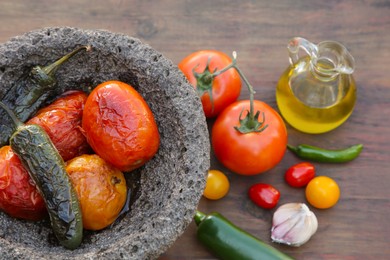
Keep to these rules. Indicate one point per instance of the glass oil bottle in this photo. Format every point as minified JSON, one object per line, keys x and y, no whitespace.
{"x":317,"y":93}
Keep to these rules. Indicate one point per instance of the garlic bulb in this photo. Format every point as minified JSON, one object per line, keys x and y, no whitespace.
{"x":293,"y":224}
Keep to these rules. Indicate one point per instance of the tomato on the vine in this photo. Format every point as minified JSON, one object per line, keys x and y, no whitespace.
{"x":322,"y":192}
{"x":217,"y":91}
{"x":264,"y":195}
{"x":251,"y":150}
{"x":300,"y":174}
{"x":217,"y":185}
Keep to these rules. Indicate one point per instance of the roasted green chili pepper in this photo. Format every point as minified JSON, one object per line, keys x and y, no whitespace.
{"x":227,"y":241}
{"x":47,"y":169}
{"x":29,"y":93}
{"x":317,"y":154}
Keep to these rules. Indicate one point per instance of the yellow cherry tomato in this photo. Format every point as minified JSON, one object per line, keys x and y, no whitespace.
{"x":322,"y":192}
{"x":217,"y":185}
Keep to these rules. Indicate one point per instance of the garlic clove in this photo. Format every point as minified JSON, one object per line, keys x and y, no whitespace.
{"x":293,"y":224}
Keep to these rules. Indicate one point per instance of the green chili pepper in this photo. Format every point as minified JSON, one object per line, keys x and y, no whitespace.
{"x":29,"y":93}
{"x":317,"y":154}
{"x":47,"y":169}
{"x":228,"y":241}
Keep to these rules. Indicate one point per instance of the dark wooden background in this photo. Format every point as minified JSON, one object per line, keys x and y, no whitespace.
{"x":358,"y":226}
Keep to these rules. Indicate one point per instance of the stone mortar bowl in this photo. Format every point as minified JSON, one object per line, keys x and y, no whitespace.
{"x":171,"y":184}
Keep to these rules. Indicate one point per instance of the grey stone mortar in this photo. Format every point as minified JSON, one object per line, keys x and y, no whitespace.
{"x":171,"y":184}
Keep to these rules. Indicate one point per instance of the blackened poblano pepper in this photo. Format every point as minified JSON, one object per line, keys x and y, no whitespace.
{"x":229,"y":242}
{"x":29,"y":93}
{"x":47,"y":169}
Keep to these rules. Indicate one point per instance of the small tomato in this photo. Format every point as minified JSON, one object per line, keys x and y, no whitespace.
{"x":216,"y":92}
{"x":322,"y":192}
{"x":299,"y":175}
{"x":217,"y":185}
{"x":264,"y":195}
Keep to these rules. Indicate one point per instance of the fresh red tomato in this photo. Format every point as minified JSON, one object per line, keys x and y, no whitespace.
{"x":249,"y":153}
{"x":299,"y":175}
{"x":120,"y":126}
{"x":224,"y":88}
{"x":61,"y":120}
{"x":18,"y":195}
{"x":264,"y":195}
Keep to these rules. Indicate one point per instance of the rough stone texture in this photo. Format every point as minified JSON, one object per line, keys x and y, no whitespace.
{"x":171,"y":183}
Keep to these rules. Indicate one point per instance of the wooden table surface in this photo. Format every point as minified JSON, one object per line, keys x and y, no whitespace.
{"x":358,"y":226}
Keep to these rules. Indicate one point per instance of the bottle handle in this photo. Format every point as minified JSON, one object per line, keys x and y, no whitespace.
{"x":298,"y":43}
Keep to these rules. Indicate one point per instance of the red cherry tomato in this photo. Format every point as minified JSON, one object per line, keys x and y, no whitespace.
{"x":250,"y":153}
{"x":264,"y":195}
{"x":299,"y":175}
{"x":61,"y":120}
{"x":120,"y":126}
{"x":18,"y":195}
{"x":225,"y":88}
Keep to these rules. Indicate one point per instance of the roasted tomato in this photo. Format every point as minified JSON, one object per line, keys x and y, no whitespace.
{"x":253,"y":152}
{"x":120,"y":126}
{"x":101,"y":190}
{"x":216,"y":91}
{"x":62,"y":122}
{"x":18,"y":195}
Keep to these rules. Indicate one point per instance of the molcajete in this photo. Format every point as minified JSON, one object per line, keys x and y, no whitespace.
{"x":169,"y":186}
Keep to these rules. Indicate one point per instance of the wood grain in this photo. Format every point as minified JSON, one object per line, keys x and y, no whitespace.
{"x":357,"y":227}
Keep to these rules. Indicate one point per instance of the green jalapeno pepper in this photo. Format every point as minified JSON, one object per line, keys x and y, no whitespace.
{"x":228,"y":241}
{"x":47,"y":169}
{"x":29,"y":93}
{"x":317,"y":154}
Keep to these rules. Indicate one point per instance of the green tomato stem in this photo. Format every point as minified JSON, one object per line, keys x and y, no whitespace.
{"x":250,"y":123}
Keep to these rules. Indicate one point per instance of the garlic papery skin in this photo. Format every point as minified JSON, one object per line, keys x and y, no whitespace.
{"x":293,"y":224}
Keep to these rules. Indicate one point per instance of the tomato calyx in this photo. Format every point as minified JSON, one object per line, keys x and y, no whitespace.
{"x":251,"y":124}
{"x":204,"y":80}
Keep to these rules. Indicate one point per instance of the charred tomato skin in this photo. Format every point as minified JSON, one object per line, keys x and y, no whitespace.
{"x":119,"y":125}
{"x":19,"y":196}
{"x":61,"y":120}
{"x":101,"y":190}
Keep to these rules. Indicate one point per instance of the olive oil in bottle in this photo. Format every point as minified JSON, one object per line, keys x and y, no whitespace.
{"x":317,"y":93}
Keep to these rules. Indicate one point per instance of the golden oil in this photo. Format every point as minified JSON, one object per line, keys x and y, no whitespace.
{"x":313,"y":103}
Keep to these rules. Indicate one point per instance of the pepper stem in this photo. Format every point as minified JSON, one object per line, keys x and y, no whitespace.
{"x":52,"y":68}
{"x":199,"y":217}
{"x":15,"y":120}
{"x":292,"y":148}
